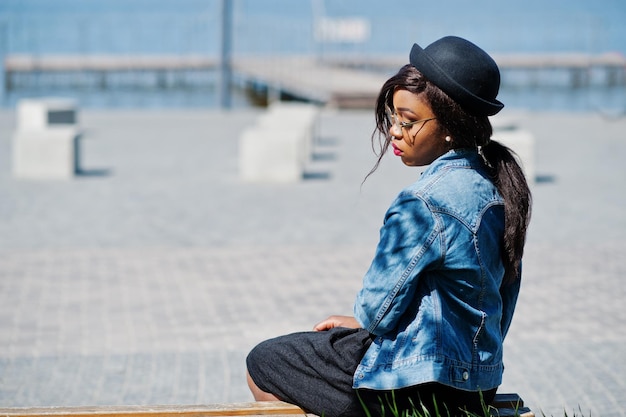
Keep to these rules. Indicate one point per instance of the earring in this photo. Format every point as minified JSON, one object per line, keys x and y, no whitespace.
{"x":448,"y":139}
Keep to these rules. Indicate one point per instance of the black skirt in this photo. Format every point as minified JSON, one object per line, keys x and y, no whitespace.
{"x":314,"y":370}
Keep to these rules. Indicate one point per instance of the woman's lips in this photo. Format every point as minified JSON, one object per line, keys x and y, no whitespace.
{"x":396,"y":151}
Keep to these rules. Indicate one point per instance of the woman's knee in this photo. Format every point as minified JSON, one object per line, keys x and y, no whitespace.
{"x":258,"y":393}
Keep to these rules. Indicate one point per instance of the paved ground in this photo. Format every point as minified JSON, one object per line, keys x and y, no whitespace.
{"x":147,"y":278}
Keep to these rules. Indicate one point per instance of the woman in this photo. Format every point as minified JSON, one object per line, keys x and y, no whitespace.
{"x":438,"y":298}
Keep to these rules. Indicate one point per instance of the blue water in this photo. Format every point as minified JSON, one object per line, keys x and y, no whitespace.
{"x":286,"y":27}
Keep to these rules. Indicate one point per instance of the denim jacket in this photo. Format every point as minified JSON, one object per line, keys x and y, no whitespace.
{"x":431,"y":297}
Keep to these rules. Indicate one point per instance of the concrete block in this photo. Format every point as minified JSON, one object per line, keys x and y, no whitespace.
{"x":45,"y":113}
{"x":505,"y":121}
{"x":522,"y":143}
{"x":304,"y":114}
{"x":279,"y":145}
{"x":45,"y":154}
{"x":271,"y":155}
{"x":296,"y":129}
{"x":293,"y":116}
{"x":45,"y":143}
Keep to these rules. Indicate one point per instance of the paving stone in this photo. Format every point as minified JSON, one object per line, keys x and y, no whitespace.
{"x":148,"y":279}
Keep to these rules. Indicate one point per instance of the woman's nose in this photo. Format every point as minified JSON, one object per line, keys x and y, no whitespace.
{"x":395,"y":130}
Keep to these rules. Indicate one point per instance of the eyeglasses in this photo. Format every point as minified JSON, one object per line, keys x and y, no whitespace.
{"x":395,"y":119}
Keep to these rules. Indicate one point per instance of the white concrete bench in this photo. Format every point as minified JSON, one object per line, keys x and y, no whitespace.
{"x":268,"y":155}
{"x":522,"y":142}
{"x":295,"y":115}
{"x":279,"y":145}
{"x":45,"y":143}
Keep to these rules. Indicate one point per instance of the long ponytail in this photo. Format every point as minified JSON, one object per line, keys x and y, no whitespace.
{"x":509,"y":179}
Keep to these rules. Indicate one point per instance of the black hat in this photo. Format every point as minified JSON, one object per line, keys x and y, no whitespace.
{"x":463,"y":71}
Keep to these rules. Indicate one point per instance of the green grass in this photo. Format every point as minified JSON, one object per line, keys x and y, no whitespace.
{"x":390,"y":409}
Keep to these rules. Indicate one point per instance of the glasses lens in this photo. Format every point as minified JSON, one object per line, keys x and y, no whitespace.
{"x":392,"y":117}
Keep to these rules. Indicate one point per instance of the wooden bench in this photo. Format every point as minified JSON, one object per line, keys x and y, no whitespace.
{"x":505,"y":405}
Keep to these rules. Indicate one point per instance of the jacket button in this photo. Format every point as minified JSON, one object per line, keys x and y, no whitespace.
{"x":465,"y":375}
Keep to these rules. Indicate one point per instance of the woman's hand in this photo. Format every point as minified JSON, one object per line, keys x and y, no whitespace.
{"x":337,"y":321}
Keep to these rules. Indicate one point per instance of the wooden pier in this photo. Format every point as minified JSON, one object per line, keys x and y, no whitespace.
{"x":314,"y":79}
{"x":104,"y":63}
{"x":345,"y":82}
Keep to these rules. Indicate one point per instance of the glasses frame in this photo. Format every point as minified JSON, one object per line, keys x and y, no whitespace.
{"x":400,"y":124}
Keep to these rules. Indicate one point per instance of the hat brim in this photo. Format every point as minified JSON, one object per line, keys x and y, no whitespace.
{"x":420,"y":59}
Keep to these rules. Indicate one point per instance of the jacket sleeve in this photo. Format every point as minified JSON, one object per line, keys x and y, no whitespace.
{"x":410,"y":243}
{"x":509,"y":294}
